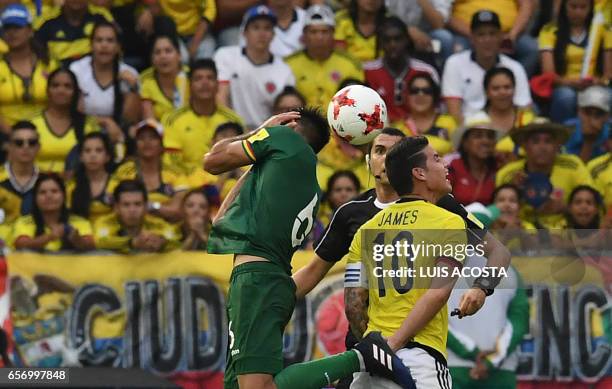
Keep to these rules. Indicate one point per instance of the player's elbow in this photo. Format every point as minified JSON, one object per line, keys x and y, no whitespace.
{"x":439,"y":296}
{"x":213,"y":164}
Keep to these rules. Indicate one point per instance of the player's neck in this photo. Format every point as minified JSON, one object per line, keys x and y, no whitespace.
{"x":385,"y":193}
{"x":258,"y":57}
{"x":423,"y":193}
{"x":203,"y":107}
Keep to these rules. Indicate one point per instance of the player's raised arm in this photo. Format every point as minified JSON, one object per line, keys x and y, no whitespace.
{"x":233,"y":153}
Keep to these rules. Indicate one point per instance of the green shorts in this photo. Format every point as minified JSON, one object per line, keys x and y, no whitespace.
{"x":260,"y":303}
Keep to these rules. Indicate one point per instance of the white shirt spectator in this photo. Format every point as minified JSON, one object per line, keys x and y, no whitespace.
{"x":463,"y":79}
{"x":97,"y":100}
{"x":253,"y":88}
{"x":411,"y":12}
{"x":287,"y":42}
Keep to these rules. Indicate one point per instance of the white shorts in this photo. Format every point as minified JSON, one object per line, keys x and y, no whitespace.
{"x":427,"y":372}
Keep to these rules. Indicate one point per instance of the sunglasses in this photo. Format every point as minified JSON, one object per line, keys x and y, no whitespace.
{"x":425,"y":91}
{"x":24,"y":142}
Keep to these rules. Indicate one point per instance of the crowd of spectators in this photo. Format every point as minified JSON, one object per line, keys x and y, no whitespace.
{"x":107,"y":108}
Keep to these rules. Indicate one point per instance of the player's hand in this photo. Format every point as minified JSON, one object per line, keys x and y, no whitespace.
{"x":286,"y":118}
{"x":394,"y":343}
{"x":471,"y":301}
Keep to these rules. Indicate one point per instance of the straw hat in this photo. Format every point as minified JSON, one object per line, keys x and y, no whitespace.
{"x":540,"y":124}
{"x":479,"y":120}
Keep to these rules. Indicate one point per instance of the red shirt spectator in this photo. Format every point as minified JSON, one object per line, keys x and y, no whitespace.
{"x":466,"y":188}
{"x":389,"y":75}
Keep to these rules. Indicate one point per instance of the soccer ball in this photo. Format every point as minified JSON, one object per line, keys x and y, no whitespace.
{"x":357,"y":114}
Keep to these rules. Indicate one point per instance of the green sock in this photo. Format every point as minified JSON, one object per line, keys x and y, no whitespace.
{"x":318,"y":373}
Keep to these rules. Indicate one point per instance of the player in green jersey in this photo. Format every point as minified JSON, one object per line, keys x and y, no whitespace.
{"x":263,"y":221}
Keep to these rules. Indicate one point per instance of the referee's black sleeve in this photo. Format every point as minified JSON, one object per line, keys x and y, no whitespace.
{"x":336,"y":241}
{"x":476,"y":233}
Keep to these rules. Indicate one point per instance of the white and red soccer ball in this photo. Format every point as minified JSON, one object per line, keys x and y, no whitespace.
{"x":357,"y":114}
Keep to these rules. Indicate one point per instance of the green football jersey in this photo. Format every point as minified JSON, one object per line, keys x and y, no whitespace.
{"x":275,"y":209}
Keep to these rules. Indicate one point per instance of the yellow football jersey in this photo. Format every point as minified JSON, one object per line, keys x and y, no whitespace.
{"x":567,"y":173}
{"x":100,"y":205}
{"x":319,"y":81}
{"x":601,"y":171}
{"x":188,"y":13}
{"x":23,"y":99}
{"x":172,"y":180}
{"x":110,"y":235}
{"x":524,"y":116}
{"x":25,"y":226}
{"x":190,"y":135}
{"x":361,"y":47}
{"x":574,"y":54}
{"x":54,"y":149}
{"x":439,"y":234}
{"x":162,"y":104}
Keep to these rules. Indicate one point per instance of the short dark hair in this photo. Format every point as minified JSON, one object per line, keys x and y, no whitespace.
{"x":315,"y":128}
{"x":494,"y":71}
{"x":404,"y":156}
{"x":235,"y":126}
{"x":289,"y":91}
{"x":23,"y":125}
{"x":394,"y":22}
{"x":391,"y":131}
{"x":331,"y":181}
{"x":204,"y":63}
{"x":127,"y":186}
{"x":351,"y":81}
{"x":513,"y":187}
{"x":421,"y":75}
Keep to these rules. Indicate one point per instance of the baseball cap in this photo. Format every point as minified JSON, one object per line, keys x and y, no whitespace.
{"x":16,"y":15}
{"x":320,"y":15}
{"x":484,"y":17}
{"x":150,"y":124}
{"x":258,"y":12}
{"x":595,"y":96}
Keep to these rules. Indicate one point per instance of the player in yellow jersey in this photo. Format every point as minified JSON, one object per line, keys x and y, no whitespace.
{"x":410,"y":308}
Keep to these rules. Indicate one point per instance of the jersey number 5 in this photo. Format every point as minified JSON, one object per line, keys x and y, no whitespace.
{"x":299,"y":233}
{"x":398,"y":285}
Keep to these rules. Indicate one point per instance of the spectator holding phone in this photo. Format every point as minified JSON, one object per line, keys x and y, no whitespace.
{"x":51,"y":227}
{"x":579,"y":32}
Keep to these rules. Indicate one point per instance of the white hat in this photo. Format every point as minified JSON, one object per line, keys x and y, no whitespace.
{"x":479,"y":120}
{"x":595,"y":96}
{"x":320,"y":15}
